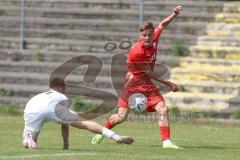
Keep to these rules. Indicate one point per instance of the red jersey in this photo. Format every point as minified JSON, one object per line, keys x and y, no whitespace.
{"x":137,"y":57}
{"x":139,"y":54}
{"x":136,"y":80}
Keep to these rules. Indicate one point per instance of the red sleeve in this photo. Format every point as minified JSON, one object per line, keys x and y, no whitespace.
{"x":157,"y":33}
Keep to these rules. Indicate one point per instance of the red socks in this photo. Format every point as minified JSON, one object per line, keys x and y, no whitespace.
{"x":108,"y":125}
{"x":165,"y":131}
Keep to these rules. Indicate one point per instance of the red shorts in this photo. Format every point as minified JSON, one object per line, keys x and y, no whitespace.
{"x":152,"y":99}
{"x":143,"y":85}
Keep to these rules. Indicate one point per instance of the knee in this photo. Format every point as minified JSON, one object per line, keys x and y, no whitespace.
{"x":117,"y":118}
{"x":78,"y":123}
{"x":162,"y":109}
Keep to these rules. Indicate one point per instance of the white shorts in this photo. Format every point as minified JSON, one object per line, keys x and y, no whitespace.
{"x":35,"y":121}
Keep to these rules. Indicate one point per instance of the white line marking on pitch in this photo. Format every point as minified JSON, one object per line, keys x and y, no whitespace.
{"x":48,"y":155}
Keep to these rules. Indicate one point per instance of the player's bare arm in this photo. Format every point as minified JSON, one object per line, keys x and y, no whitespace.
{"x":153,"y":75}
{"x":65,"y":135}
{"x":172,"y":85}
{"x":166,"y":21}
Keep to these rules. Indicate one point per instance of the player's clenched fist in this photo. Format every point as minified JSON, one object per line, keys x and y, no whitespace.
{"x":177,"y":10}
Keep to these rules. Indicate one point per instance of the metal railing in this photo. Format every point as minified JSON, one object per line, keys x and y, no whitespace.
{"x":141,"y":12}
{"x":21,"y":42}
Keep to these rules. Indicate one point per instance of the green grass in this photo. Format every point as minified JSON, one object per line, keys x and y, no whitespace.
{"x":201,"y":142}
{"x":178,"y":49}
{"x":10,"y":110}
{"x":39,"y":56}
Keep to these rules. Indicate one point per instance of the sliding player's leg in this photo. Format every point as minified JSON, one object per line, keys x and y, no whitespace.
{"x":98,"y":129}
{"x":112,"y":121}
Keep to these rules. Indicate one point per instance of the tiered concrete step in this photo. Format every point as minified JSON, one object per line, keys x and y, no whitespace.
{"x":211,"y":84}
{"x":110,"y":14}
{"x":188,"y":61}
{"x":53,"y":44}
{"x":61,"y":57}
{"x":233,"y":7}
{"x":221,"y":29}
{"x":199,"y":101}
{"x":31,"y":78}
{"x":49,"y":56}
{"x":222,"y":40}
{"x":228,"y":52}
{"x":36,"y":10}
{"x":24,"y":83}
{"x":205,"y":74}
{"x":27,"y":91}
{"x":23,"y":78}
{"x":20,"y":94}
{"x":11,"y":100}
{"x":207,"y":69}
{"x":185,"y":27}
{"x":189,"y":64}
{"x":93,"y":35}
{"x":230,"y":13}
{"x":191,"y":5}
{"x":228,"y":17}
{"x":218,"y":41}
{"x":102,"y":81}
{"x":74,"y":34}
{"x":198,"y":69}
{"x":185,"y":100}
{"x":23,"y":90}
{"x":232,"y":88}
{"x":188,"y":101}
{"x":50,"y":67}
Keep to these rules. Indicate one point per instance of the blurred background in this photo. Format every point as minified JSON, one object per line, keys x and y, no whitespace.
{"x":200,"y":48}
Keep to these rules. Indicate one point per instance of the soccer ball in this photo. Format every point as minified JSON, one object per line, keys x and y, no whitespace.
{"x":137,"y":102}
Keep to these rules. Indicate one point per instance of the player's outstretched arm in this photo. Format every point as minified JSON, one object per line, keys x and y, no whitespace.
{"x":167,"y":20}
{"x":65,"y":135}
{"x":173,"y":86}
{"x":153,"y":75}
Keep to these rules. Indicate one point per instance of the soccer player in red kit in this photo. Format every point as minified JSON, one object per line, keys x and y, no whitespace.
{"x":141,"y":61}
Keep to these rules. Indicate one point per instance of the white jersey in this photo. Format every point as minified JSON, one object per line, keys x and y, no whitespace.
{"x":47,"y":101}
{"x":48,"y":106}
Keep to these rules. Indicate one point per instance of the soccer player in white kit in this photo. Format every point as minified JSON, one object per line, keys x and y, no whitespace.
{"x":55,"y":106}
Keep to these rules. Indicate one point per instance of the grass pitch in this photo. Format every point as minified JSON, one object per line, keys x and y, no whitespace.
{"x":201,"y":142}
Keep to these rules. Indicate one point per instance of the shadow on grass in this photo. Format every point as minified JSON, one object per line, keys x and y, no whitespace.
{"x":195,"y":147}
{"x":204,"y":147}
{"x":210,"y":147}
{"x":59,"y":150}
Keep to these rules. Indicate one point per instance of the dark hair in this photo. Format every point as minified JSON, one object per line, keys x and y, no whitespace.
{"x":146,"y":25}
{"x":56,"y":82}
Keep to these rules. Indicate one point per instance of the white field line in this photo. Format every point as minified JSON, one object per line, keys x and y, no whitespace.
{"x":157,"y":157}
{"x":48,"y":155}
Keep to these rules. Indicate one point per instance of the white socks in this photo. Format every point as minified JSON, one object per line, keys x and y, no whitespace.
{"x":167,"y":142}
{"x":108,"y":133}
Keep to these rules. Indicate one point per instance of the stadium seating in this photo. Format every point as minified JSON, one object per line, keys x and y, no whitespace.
{"x":59,"y":30}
